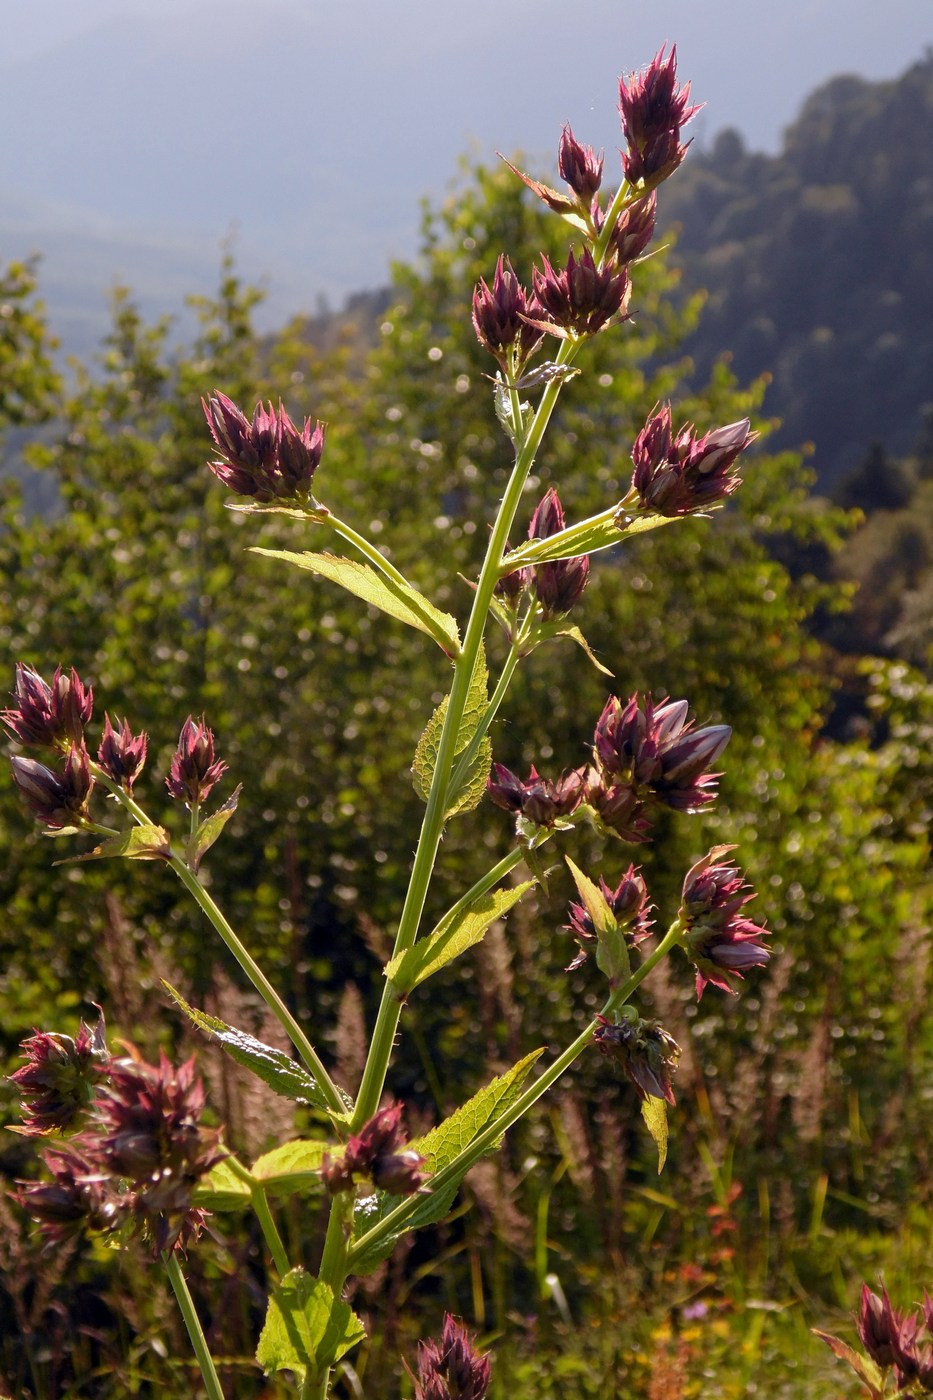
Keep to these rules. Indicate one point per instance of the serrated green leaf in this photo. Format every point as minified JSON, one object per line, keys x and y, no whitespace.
{"x":274,"y":1067}
{"x":293,"y":1166}
{"x":454,"y":934}
{"x":400,"y":601}
{"x":208,"y":831}
{"x":471,"y":784}
{"x":138,"y":843}
{"x":221,"y":1189}
{"x":439,"y":1147}
{"x":307,"y":1329}
{"x":654,"y":1112}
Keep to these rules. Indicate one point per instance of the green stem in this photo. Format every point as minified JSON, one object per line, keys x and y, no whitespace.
{"x":495,"y":700}
{"x":369,"y":551}
{"x":391,"y":1224}
{"x":193,"y":1324}
{"x":254,"y":972}
{"x":260,"y":1203}
{"x":432,"y":826}
{"x":623,"y":195}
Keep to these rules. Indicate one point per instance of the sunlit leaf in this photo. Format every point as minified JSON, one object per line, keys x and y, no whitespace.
{"x":307,"y":1329}
{"x":453,"y":936}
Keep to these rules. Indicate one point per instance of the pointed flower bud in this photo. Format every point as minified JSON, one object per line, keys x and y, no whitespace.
{"x":378,"y":1154}
{"x":499,"y":320}
{"x":629,"y":905}
{"x":634,"y":230}
{"x":656,"y":751}
{"x":582,"y":298}
{"x":677,"y":475}
{"x":720,"y":942}
{"x":618,"y":807}
{"x":878,"y":1326}
{"x":644,"y":1052}
{"x":539,"y":800}
{"x":48,"y":716}
{"x":58,"y":800}
{"x":580,"y":167}
{"x":57,"y":1082}
{"x":653,"y":109}
{"x":450,"y":1368}
{"x":194,"y":770}
{"x":121,"y":754}
{"x":558,"y":584}
{"x":268,"y":458}
{"x":78,"y":1198}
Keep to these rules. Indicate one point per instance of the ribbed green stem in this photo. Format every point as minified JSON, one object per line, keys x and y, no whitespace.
{"x":193,"y":1324}
{"x":495,"y":700}
{"x":455,"y":1169}
{"x":254,"y":972}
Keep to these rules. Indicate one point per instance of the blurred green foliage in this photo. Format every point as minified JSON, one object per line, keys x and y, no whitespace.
{"x":802,"y":1104}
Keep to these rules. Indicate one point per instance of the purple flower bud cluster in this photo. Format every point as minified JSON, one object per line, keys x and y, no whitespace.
{"x":898,"y":1342}
{"x":141,"y":1148}
{"x":501,"y":319}
{"x":122,"y":754}
{"x":48,"y":716}
{"x":59,"y":800}
{"x":629,"y":906}
{"x":558,"y":584}
{"x":451,"y":1368}
{"x":377,"y":1154}
{"x":678,"y":475}
{"x":650,"y":754}
{"x":194,"y":769}
{"x":720,"y":942}
{"x":653,"y":109}
{"x":268,"y":458}
{"x":581,"y":298}
{"x":644,"y":1052}
{"x":539,"y":800}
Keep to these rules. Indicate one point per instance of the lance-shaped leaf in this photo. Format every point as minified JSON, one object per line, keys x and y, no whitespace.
{"x":863,"y":1366}
{"x":399,"y":600}
{"x":293,"y":1166}
{"x":200,"y":842}
{"x":440,"y":1147}
{"x":221,"y":1189}
{"x":274,"y":1067}
{"x":457,"y":931}
{"x":307,"y":1329}
{"x":470,"y":787}
{"x":654,"y":1112}
{"x":138,"y":843}
{"x":559,"y":627}
{"x":587,"y":537}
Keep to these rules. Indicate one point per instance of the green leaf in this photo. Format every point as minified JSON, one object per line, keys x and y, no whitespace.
{"x":863,"y":1366}
{"x":221,"y":1189}
{"x":293,"y":1166}
{"x":654,"y":1112}
{"x":577,"y":636}
{"x":440,"y":1147}
{"x":307,"y":1329}
{"x":200,"y":842}
{"x":274,"y":1067}
{"x":471,"y":784}
{"x":587,"y":537}
{"x":455,"y":933}
{"x":139,"y":843}
{"x":612,"y":955}
{"x":399,"y":600}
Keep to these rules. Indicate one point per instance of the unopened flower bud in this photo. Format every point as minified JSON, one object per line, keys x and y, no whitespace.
{"x":58,"y":800}
{"x":49,"y":716}
{"x":559,"y":583}
{"x":450,"y":1368}
{"x":378,"y":1154}
{"x":634,"y":230}
{"x":678,"y":475}
{"x":720,"y":942}
{"x":653,"y":110}
{"x":539,"y":800}
{"x":194,"y":769}
{"x":121,"y":754}
{"x":57,"y":1082}
{"x":644,"y":1052}
{"x":268,"y":458}
{"x":500,"y":318}
{"x":579,"y":166}
{"x":582,"y":298}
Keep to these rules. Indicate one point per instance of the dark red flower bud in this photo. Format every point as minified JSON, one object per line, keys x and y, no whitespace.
{"x":58,"y":1080}
{"x":377,"y":1153}
{"x":658,"y":753}
{"x":653,"y":109}
{"x":56,"y":800}
{"x":619,"y":809}
{"x":677,"y":475}
{"x":634,"y":230}
{"x":630,"y":908}
{"x":719,"y":941}
{"x":581,"y":299}
{"x":499,"y":319}
{"x":121,"y":754}
{"x":558,"y":584}
{"x":49,"y":716}
{"x":580,"y":167}
{"x":194,"y":770}
{"x":878,"y":1326}
{"x":539,"y":800}
{"x":450,"y":1368}
{"x":268,"y":458}
{"x":78,"y":1197}
{"x":644,"y":1052}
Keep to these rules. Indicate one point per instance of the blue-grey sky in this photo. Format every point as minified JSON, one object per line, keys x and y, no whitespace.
{"x":140,"y":133}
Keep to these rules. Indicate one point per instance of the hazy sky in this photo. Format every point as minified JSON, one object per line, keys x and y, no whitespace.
{"x":312,"y":127}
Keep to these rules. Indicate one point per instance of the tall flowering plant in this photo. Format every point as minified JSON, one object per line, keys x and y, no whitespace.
{"x":125,"y":1146}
